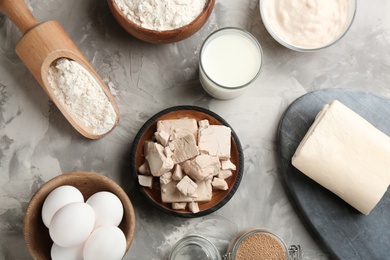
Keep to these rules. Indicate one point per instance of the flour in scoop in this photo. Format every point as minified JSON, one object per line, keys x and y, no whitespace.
{"x":82,"y":95}
{"x":161,"y":15}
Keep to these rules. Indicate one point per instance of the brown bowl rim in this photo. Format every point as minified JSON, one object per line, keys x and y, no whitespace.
{"x":67,"y":179}
{"x":163,"y":206}
{"x":207,"y":10}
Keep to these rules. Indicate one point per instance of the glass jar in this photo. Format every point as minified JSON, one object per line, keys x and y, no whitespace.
{"x":257,"y":243}
{"x":230,"y":60}
{"x":194,"y":247}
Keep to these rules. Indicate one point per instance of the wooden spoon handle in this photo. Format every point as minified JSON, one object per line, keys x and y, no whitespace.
{"x":18,"y":12}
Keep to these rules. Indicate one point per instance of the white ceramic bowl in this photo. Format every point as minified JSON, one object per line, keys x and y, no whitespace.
{"x":288,"y":29}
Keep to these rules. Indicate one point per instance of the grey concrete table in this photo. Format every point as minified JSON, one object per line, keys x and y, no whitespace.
{"x":37,"y":144}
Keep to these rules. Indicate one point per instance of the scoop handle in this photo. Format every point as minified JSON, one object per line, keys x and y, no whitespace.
{"x":18,"y":12}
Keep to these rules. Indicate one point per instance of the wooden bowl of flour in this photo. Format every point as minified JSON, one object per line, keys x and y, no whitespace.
{"x":158,"y":36}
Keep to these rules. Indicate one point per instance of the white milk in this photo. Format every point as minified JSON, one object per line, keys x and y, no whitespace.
{"x":230,"y":59}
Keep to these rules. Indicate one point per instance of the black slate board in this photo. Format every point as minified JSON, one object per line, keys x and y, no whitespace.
{"x":345,"y":232}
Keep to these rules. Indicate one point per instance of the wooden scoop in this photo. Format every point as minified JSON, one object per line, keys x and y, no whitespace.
{"x":40,"y":46}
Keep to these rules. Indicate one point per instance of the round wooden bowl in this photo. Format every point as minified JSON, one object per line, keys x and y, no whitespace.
{"x":36,"y":234}
{"x":219,"y":197}
{"x":167,"y":36}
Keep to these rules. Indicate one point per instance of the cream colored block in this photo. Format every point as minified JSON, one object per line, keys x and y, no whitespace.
{"x":347,"y":155}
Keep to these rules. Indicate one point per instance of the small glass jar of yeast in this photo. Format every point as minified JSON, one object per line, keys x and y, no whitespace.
{"x":261,"y":244}
{"x":253,"y":243}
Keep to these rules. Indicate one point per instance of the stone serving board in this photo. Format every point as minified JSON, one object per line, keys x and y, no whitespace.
{"x":344,"y":231}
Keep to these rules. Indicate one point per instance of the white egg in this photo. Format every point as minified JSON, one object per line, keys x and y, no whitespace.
{"x":67,"y":253}
{"x":108,"y":208}
{"x":72,"y":224}
{"x":58,"y":198}
{"x":105,"y":243}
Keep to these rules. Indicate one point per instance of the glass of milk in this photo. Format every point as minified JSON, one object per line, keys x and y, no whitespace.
{"x":230,"y":60}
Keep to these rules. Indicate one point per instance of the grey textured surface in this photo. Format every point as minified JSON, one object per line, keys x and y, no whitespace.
{"x":346,"y":232}
{"x":36,"y":143}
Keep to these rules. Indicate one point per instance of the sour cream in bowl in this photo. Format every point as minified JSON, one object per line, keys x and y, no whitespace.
{"x":307,"y":25}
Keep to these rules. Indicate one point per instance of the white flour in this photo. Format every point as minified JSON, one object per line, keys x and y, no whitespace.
{"x":161,"y":14}
{"x":82,"y":95}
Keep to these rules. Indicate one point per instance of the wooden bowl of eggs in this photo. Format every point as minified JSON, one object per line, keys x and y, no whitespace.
{"x":191,"y":134}
{"x":163,"y":21}
{"x":79,"y":215}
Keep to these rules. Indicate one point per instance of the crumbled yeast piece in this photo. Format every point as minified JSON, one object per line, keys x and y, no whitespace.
{"x":171,"y":146}
{"x":178,"y":128}
{"x":186,"y":186}
{"x":179,"y":205}
{"x":193,"y":207}
{"x":145,"y":181}
{"x":215,"y":140}
{"x":202,"y":167}
{"x":162,"y":137}
{"x":203,"y":123}
{"x":166,"y":178}
{"x":224,"y":174}
{"x":144,"y":168}
{"x":219,"y":184}
{"x":170,"y":194}
{"x":168,"y":152}
{"x":177,"y":173}
{"x":158,"y":162}
{"x":228,"y":165}
{"x":185,"y":148}
{"x":147,"y":146}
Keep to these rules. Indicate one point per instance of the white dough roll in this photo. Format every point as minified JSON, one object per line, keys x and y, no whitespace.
{"x":347,"y":155}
